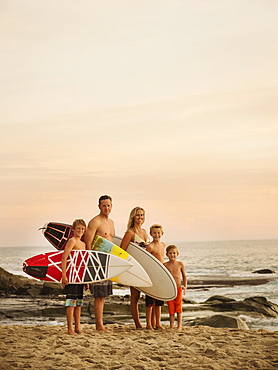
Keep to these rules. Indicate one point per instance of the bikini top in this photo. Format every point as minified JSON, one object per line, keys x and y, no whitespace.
{"x":140,"y":241}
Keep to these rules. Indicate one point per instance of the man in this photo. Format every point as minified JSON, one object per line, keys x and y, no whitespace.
{"x":103,"y":226}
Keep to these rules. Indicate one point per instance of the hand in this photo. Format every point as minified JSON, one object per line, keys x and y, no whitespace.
{"x":142,"y":245}
{"x":65,"y":280}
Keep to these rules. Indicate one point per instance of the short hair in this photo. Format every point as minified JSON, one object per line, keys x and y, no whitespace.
{"x":78,"y":221}
{"x":170,"y":247}
{"x":104,"y":197}
{"x":130,"y":224}
{"x":156,"y":226}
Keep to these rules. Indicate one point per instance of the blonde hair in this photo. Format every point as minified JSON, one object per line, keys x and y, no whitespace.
{"x":78,"y":221}
{"x":130,"y":224}
{"x":170,"y":247}
{"x":156,"y":226}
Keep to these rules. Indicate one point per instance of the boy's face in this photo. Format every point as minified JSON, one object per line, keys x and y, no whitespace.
{"x":105,"y":207}
{"x":156,"y":233}
{"x":172,"y":254}
{"x":79,"y":230}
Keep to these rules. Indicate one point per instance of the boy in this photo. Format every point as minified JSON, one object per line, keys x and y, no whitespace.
{"x":74,"y":292}
{"x":177,"y":270}
{"x":153,"y":306}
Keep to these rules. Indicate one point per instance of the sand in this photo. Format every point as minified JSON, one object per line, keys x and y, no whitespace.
{"x":199,"y":347}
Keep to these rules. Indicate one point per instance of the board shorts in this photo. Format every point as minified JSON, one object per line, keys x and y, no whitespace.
{"x":74,"y":295}
{"x":151,"y":302}
{"x":101,"y":288}
{"x":175,"y":306}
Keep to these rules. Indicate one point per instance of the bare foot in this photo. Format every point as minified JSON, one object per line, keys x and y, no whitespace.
{"x":71,"y":333}
{"x":159,"y":328}
{"x":102,"y":329}
{"x":79,"y":331}
{"x":149,"y":328}
{"x":179,"y":328}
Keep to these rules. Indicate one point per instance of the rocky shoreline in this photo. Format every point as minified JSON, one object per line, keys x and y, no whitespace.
{"x":26,"y":300}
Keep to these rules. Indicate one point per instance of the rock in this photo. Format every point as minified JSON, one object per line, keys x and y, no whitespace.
{"x":52,"y":288}
{"x":16,"y":284}
{"x":264,"y":271}
{"x":253,"y":304}
{"x":262,"y":305}
{"x":222,"y":321}
{"x":218,"y":299}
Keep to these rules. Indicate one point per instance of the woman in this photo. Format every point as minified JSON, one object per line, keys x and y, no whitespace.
{"x":136,"y":234}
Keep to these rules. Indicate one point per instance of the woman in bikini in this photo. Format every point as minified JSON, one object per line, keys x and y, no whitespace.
{"x":136,"y":234}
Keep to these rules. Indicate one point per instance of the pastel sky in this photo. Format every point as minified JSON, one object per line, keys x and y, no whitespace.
{"x":166,"y":104}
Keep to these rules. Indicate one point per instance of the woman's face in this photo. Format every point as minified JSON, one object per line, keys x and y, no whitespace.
{"x":139,"y":217}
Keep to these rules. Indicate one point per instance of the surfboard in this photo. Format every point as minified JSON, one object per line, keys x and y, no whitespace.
{"x":164,"y":286}
{"x":135,"y":276}
{"x":82,"y":266}
{"x":59,"y":233}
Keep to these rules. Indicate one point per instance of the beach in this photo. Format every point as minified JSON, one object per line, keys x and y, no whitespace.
{"x":199,"y":347}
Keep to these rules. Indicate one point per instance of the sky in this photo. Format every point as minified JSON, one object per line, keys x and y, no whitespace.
{"x":170,"y":105}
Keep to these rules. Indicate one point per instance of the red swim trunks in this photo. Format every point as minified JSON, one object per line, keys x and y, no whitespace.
{"x":175,"y":306}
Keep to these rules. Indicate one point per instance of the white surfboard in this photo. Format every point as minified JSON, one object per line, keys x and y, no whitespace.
{"x":164,"y":286}
{"x":135,"y":276}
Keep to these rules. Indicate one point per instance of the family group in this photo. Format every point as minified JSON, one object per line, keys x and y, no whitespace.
{"x":103,"y":226}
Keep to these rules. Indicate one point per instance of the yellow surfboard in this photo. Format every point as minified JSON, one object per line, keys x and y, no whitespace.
{"x":135,"y":276}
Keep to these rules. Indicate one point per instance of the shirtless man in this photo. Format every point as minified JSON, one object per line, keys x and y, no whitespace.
{"x":103,"y":226}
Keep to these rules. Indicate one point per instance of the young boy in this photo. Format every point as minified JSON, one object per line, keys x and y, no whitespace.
{"x":74,"y":292}
{"x":177,"y":270}
{"x":153,"y":306}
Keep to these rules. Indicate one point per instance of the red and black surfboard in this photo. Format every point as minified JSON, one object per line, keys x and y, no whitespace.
{"x":82,"y":266}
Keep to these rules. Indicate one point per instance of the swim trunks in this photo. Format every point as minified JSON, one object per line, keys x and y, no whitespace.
{"x":74,"y":295}
{"x":101,"y":289}
{"x":150,"y":302}
{"x":175,"y":306}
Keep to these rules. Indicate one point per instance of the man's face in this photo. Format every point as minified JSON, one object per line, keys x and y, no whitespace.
{"x":105,"y":207}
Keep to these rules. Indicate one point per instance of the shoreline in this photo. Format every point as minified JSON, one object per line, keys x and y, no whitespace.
{"x":49,"y":310}
{"x":26,"y":300}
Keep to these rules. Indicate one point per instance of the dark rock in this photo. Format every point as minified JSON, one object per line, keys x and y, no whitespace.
{"x":262,"y":305}
{"x":222,"y":321}
{"x":264,"y":271}
{"x":253,"y":304}
{"x":52,"y":289}
{"x":188,"y":301}
{"x":16,"y":284}
{"x":219,"y":298}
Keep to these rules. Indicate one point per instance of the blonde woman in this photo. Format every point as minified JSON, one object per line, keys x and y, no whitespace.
{"x":135,"y":233}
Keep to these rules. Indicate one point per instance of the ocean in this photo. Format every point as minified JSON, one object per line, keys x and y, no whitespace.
{"x":237,"y":258}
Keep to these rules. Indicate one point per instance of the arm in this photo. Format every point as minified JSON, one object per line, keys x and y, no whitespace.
{"x":91,"y":232}
{"x":184,"y":277}
{"x":149,"y":248}
{"x":128,"y":237}
{"x":68,"y":248}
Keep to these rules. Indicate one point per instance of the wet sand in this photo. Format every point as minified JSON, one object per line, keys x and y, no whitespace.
{"x":199,"y":347}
